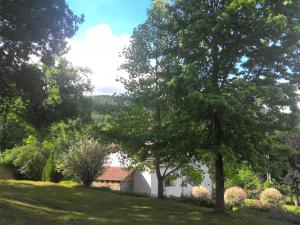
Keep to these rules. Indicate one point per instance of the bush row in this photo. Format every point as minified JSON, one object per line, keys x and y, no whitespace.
{"x":236,"y":197}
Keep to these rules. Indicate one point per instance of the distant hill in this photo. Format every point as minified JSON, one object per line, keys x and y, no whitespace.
{"x":104,"y":104}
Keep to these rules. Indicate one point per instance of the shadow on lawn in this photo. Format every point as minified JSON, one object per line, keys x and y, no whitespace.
{"x":34,"y":204}
{"x":92,"y":206}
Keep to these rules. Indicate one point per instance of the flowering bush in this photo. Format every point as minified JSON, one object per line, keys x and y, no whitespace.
{"x":271,"y":197}
{"x":234,"y":197}
{"x":201,"y":192}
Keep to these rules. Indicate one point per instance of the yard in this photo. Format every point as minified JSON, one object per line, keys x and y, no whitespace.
{"x":36,"y":203}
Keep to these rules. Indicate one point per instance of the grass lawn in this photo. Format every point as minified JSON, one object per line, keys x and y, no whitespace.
{"x":39,"y":203}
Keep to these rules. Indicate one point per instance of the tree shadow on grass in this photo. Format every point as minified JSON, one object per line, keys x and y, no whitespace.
{"x":28,"y":203}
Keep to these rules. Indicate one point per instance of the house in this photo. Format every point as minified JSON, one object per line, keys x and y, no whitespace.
{"x":118,"y":177}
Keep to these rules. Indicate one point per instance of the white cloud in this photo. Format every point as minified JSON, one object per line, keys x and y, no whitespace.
{"x":100,"y":51}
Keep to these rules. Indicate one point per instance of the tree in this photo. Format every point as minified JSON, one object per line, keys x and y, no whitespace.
{"x":146,"y":126}
{"x":35,"y":27}
{"x":240,"y":71}
{"x":84,"y":160}
{"x":31,"y":28}
{"x":53,"y":94}
{"x":291,"y":176}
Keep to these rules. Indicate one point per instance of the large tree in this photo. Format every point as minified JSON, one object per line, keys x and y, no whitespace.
{"x":31,"y":28}
{"x":54,"y":94}
{"x":240,"y":72}
{"x":146,"y":126}
{"x":46,"y":95}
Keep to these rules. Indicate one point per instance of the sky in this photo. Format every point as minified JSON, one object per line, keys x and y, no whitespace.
{"x":100,"y":39}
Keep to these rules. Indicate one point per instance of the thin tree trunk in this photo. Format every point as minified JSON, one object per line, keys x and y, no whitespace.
{"x":3,"y":137}
{"x":296,"y":200}
{"x":296,"y":197}
{"x":220,"y":204}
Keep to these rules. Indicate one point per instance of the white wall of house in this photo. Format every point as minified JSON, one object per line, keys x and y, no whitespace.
{"x":146,"y":181}
{"x":176,"y":188}
{"x":142,"y":182}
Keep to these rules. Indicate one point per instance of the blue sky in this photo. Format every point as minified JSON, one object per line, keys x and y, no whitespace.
{"x":121,"y":15}
{"x":100,"y":39}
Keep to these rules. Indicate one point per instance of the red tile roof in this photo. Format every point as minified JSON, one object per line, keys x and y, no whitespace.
{"x":114,"y":173}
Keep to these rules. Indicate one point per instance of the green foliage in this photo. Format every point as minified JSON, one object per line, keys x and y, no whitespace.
{"x":49,"y":95}
{"x":268,"y":184}
{"x":28,"y":160}
{"x":104,"y":104}
{"x":235,"y":55}
{"x":49,"y":172}
{"x":39,"y":28}
{"x":235,"y":197}
{"x":54,"y":94}
{"x":193,"y":174}
{"x":245,"y":178}
{"x":84,"y":160}
{"x":148,"y":124}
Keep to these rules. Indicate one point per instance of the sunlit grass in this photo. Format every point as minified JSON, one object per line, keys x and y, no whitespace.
{"x":291,"y":208}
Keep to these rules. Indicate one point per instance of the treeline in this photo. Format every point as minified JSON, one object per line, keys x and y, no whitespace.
{"x":44,"y":110}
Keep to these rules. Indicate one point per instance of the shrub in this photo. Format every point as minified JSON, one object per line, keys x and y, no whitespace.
{"x":84,"y":160}
{"x":28,"y":160}
{"x":234,"y":197}
{"x":268,"y":184}
{"x":201,"y":192}
{"x":244,"y":178}
{"x":271,"y":197}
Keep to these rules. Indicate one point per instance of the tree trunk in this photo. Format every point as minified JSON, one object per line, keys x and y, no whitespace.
{"x":296,"y":197}
{"x":220,"y":204}
{"x":160,"y":183}
{"x":296,"y":200}
{"x":3,"y":133}
{"x":160,"y":188}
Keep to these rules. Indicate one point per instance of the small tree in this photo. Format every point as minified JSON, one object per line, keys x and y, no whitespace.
{"x":84,"y":160}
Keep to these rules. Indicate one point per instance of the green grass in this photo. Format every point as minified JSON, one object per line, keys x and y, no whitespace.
{"x":42,"y":203}
{"x":291,"y":208}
